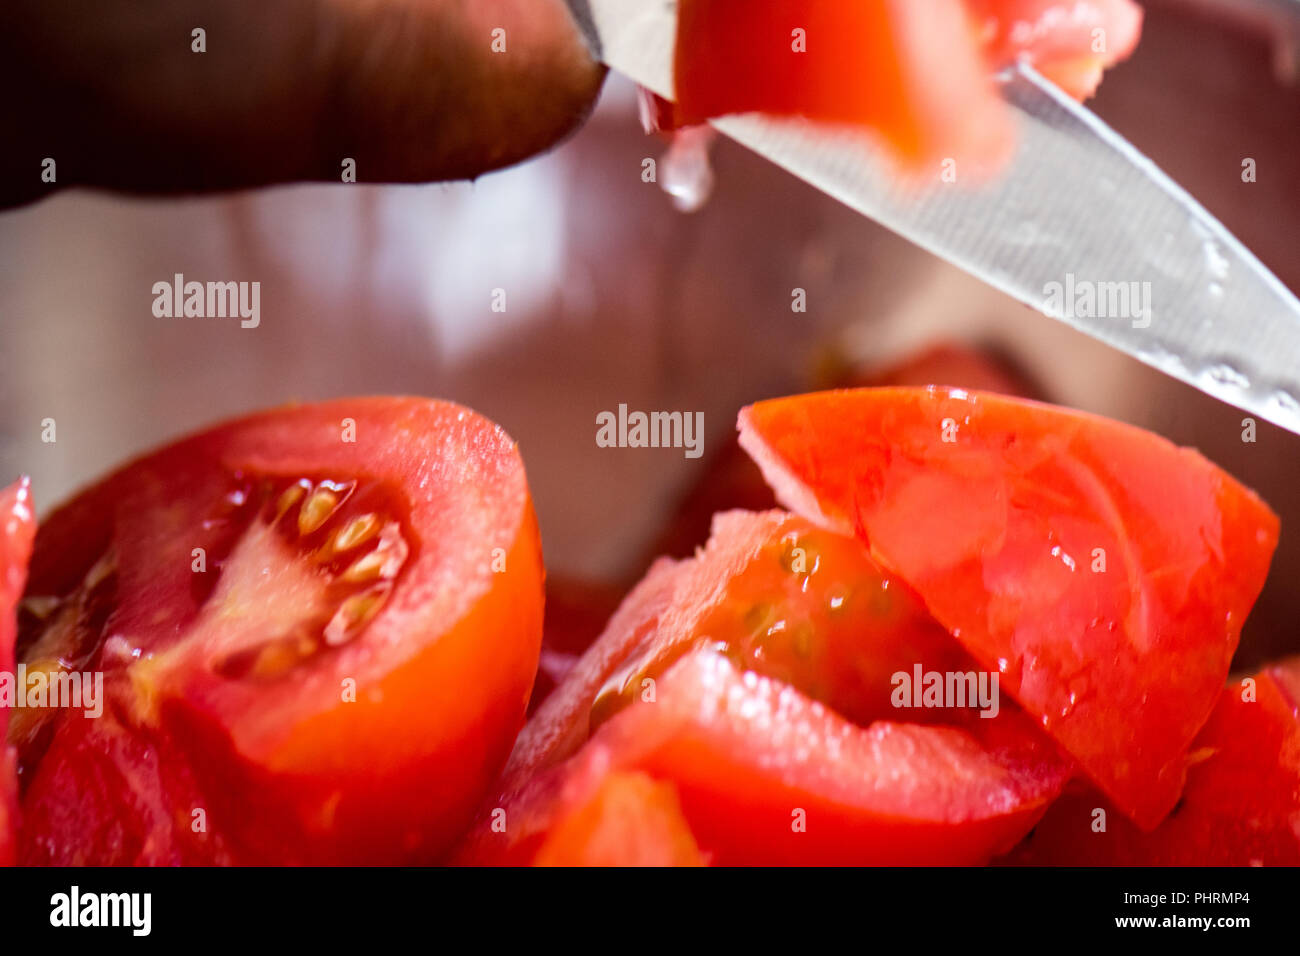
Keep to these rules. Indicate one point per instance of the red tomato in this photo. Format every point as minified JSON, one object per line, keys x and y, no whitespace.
{"x":911,"y":72}
{"x":17,"y":528}
{"x":1105,"y":572}
{"x":321,"y":622}
{"x":764,"y":658}
{"x":1241,"y":805}
{"x":1072,"y":42}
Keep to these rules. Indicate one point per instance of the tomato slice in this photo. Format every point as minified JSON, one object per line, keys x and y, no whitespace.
{"x":911,"y":72}
{"x":1071,"y":43}
{"x":1241,"y":805}
{"x":1103,"y":571}
{"x":760,"y":672}
{"x":331,"y":613}
{"x":17,"y":528}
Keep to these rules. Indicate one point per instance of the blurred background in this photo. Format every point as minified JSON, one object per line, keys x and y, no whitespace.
{"x":613,"y":296}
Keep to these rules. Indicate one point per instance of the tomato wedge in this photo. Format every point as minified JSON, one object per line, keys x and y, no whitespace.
{"x":17,"y":528}
{"x":1103,"y":571}
{"x":318,"y":625}
{"x":1241,"y":806}
{"x":911,"y":72}
{"x":758,"y":678}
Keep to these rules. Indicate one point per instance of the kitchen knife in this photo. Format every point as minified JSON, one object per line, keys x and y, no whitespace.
{"x":1081,"y":226}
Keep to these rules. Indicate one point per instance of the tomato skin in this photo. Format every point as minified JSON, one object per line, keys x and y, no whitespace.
{"x":17,"y":529}
{"x":978,"y":527}
{"x":910,"y":72}
{"x":290,"y":768}
{"x":1241,"y":805}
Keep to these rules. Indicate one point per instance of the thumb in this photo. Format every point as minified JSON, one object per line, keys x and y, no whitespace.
{"x":194,"y":95}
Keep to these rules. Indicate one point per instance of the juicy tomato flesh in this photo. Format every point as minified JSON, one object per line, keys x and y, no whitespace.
{"x":763,"y":672}
{"x":275,"y":604}
{"x":17,"y":528}
{"x":1241,"y":805}
{"x":1045,"y":541}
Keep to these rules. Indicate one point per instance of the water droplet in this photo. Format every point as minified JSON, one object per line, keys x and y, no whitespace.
{"x":1286,"y":401}
{"x":1058,"y":552}
{"x":1224,"y":374}
{"x":1215,"y":261}
{"x":687,"y":174}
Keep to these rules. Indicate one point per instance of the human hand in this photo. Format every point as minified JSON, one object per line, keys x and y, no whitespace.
{"x":119,"y":96}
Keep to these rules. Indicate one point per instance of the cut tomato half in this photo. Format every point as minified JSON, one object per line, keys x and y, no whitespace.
{"x":330,"y":613}
{"x":1103,"y":571}
{"x":1241,"y":805}
{"x":17,"y":528}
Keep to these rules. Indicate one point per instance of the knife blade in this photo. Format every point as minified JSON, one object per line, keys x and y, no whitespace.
{"x":1081,"y":226}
